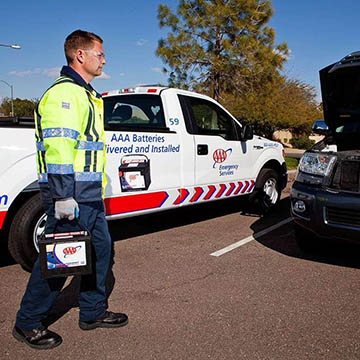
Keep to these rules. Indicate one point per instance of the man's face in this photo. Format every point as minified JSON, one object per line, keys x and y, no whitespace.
{"x":94,"y":60}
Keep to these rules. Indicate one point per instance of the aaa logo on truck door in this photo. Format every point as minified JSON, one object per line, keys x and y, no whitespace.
{"x":220,"y":155}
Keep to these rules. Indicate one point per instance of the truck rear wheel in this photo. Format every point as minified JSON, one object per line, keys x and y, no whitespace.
{"x":267,"y":191}
{"x":26,"y":227}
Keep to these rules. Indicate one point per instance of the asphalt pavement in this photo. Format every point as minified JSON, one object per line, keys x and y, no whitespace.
{"x":265,"y":299}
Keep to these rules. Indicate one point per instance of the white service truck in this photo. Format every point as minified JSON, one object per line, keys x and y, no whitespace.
{"x":165,"y":148}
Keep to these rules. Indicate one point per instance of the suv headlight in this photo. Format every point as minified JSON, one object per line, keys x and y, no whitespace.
{"x":319,"y":164}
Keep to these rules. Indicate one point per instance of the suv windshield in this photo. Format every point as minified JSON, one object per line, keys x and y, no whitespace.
{"x":133,"y":111}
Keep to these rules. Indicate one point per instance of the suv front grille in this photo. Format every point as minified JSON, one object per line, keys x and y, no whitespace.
{"x":349,"y":179}
{"x":340,"y":216}
{"x":347,"y":175}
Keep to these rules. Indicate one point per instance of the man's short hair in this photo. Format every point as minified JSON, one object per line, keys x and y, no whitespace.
{"x":79,"y":39}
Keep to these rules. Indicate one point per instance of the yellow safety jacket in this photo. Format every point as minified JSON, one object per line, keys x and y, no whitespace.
{"x":70,"y":140}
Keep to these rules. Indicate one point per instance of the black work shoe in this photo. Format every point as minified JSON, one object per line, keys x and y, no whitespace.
{"x":109,"y":320}
{"x":40,"y":338}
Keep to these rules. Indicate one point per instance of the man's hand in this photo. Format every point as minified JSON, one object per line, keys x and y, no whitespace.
{"x":66,"y":209}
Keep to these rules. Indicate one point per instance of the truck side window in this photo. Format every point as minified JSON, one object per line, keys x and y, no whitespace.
{"x":206,"y":118}
{"x":133,"y":112}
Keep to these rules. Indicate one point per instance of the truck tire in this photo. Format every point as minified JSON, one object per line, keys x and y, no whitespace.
{"x":27,"y":225}
{"x":267,"y":191}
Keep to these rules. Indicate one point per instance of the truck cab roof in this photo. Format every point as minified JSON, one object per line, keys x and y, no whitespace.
{"x":144,"y":89}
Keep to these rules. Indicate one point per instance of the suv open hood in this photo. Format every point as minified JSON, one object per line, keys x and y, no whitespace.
{"x":340,"y":88}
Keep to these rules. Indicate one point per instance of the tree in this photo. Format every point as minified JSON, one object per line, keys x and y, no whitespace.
{"x":221,"y":45}
{"x":22,"y":107}
{"x":280,"y":104}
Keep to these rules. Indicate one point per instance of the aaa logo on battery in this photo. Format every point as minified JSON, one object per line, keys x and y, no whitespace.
{"x":220,"y":155}
{"x":70,"y":250}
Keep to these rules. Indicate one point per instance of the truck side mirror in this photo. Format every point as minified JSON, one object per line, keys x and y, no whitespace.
{"x":247,"y":132}
{"x":319,"y":127}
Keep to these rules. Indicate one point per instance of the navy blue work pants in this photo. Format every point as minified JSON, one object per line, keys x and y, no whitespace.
{"x":40,"y":294}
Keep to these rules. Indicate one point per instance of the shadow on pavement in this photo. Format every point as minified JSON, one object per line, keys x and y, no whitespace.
{"x":68,"y":298}
{"x":127,"y":228}
{"x":146,"y":224}
{"x":5,"y":257}
{"x":283,"y":241}
{"x":150,"y":223}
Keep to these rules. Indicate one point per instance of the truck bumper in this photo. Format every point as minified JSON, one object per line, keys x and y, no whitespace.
{"x":328,"y":214}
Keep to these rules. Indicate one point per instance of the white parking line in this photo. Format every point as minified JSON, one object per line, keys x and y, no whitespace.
{"x":250,"y":238}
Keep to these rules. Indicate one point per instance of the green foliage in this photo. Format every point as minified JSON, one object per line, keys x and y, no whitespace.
{"x":22,"y":107}
{"x":219,"y":45}
{"x":302,"y":142}
{"x":291,"y":163}
{"x":225,"y":49}
{"x":279,"y":104}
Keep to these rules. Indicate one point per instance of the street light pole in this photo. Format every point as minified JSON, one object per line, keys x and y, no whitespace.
{"x":12,"y":96}
{"x":11,"y":46}
{"x":17,"y":47}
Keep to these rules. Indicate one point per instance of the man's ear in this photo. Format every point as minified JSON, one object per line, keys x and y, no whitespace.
{"x":79,"y":56}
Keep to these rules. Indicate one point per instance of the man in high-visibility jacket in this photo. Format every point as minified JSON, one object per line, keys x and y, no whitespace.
{"x":70,"y":143}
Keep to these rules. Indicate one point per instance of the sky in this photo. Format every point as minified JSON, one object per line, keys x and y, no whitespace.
{"x":317,"y":33}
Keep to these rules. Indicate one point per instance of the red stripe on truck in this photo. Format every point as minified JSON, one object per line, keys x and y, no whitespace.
{"x":2,"y":217}
{"x":210,"y":193}
{"x":183,"y":194}
{"x":198,"y":192}
{"x":221,"y":191}
{"x":130,"y":203}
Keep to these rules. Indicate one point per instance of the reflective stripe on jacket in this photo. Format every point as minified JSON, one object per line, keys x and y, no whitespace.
{"x":70,"y":142}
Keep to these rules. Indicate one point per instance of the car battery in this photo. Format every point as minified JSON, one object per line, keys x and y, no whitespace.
{"x":64,"y":254}
{"x":134,"y":173}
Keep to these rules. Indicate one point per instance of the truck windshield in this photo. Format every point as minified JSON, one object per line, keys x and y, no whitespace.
{"x":133,"y":111}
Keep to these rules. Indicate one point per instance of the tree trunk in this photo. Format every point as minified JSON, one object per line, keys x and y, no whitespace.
{"x":216,"y":91}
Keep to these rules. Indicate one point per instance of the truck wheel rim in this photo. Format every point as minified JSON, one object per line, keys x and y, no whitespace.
{"x":39,"y":230}
{"x":271,"y":193}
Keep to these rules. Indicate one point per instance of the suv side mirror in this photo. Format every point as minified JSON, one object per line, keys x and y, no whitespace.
{"x":319,"y":127}
{"x":247,"y":132}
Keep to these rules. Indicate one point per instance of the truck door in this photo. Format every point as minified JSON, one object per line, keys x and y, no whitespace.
{"x":220,"y":156}
{"x":143,"y":155}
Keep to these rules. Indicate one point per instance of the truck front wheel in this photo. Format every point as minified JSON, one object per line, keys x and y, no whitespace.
{"x":28,"y":224}
{"x":267,"y":191}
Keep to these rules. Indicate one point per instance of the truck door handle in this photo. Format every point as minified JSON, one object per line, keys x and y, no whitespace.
{"x":202,"y":149}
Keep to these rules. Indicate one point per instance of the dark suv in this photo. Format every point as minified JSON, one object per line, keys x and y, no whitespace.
{"x":325,"y":197}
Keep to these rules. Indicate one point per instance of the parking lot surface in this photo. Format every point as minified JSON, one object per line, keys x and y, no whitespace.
{"x":265,"y":299}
